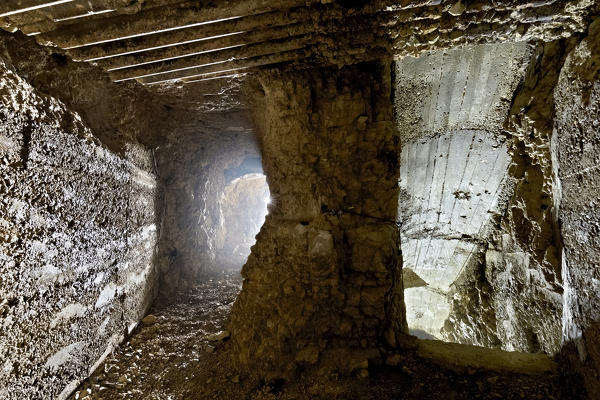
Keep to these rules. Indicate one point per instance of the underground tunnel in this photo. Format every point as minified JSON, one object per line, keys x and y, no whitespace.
{"x":299,"y":199}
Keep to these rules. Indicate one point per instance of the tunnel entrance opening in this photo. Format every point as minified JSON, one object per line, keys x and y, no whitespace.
{"x":243,"y":208}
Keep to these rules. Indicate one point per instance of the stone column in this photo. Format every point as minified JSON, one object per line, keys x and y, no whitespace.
{"x":323,"y":283}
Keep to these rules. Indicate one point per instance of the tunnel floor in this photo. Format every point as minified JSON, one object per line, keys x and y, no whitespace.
{"x":161,"y":359}
{"x":178,"y":356}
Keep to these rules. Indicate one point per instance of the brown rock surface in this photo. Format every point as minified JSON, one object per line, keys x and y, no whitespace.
{"x":576,"y":146}
{"x":324,"y":273}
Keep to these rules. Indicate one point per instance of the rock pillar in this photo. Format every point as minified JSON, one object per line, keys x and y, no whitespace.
{"x":323,"y":283}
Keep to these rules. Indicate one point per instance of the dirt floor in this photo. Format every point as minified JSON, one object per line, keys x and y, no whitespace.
{"x":179,"y":354}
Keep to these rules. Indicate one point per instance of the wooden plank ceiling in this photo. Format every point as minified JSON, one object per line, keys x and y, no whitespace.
{"x":158,"y":41}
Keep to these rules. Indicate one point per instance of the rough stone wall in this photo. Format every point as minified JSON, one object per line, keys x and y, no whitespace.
{"x":325,"y":272}
{"x":547,"y":293}
{"x":523,"y":259}
{"x":117,"y":113}
{"x":465,"y":212}
{"x":520,"y":270}
{"x":576,"y":144}
{"x":505,"y":289}
{"x":77,"y":241}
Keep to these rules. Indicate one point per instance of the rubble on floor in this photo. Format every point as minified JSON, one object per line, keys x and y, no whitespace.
{"x":181,"y":351}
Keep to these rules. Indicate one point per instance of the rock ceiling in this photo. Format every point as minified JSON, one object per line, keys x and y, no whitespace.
{"x":156,"y":41}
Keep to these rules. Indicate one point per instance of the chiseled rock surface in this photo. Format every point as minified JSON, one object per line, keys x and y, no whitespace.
{"x":522,"y":261}
{"x":324,"y":273}
{"x":77,"y":240}
{"x":513,"y":299}
{"x":451,"y":186}
{"x":577,"y":147}
{"x":467,"y":87}
{"x":456,"y":192}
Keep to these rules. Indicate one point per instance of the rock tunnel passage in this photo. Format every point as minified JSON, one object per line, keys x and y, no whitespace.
{"x":373,"y":170}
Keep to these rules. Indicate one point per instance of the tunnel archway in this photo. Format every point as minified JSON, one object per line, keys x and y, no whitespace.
{"x":243,"y":208}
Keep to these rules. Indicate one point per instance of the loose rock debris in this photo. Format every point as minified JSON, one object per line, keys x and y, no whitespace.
{"x":184,"y":354}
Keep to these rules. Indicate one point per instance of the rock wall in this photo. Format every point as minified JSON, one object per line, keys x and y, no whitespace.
{"x":576,"y":145}
{"x":77,"y":241}
{"x":515,"y":297}
{"x":118,"y":114}
{"x":524,"y":258}
{"x":458,"y":202}
{"x":488,"y":264}
{"x":322,"y":284}
{"x":452,"y":186}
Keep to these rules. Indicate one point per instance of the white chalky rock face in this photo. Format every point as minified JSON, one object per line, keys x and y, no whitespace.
{"x":450,"y":187}
{"x":450,"y":109}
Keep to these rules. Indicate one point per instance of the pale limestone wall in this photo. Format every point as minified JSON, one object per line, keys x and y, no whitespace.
{"x":454,"y":184}
{"x":77,"y":243}
{"x":451,"y":186}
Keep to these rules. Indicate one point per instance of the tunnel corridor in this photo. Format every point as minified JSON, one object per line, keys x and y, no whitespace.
{"x":299,"y":199}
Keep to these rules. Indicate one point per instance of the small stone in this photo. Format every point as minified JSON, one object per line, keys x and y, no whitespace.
{"x":308,"y":354}
{"x":217,"y":337}
{"x":362,"y":123}
{"x":393,"y":360}
{"x":235,"y":379}
{"x":112,"y":385}
{"x":363,"y":373}
{"x":457,"y":9}
{"x":149,"y":320}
